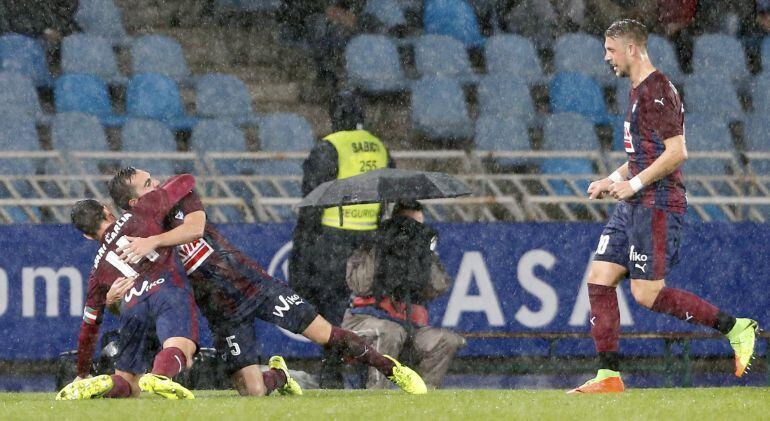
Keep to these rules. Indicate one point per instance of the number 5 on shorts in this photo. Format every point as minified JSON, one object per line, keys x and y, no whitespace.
{"x":235,"y":349}
{"x":604,"y":240}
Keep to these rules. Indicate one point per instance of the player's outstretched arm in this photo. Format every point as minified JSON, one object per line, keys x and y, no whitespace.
{"x":598,"y":188}
{"x":671,"y":158}
{"x":137,"y":247}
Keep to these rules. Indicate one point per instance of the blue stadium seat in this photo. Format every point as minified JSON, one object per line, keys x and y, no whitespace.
{"x":440,"y":55}
{"x":706,"y":134}
{"x":75,"y":131}
{"x":757,"y":139}
{"x":454,"y":18}
{"x":760,"y":93}
{"x":503,"y":96}
{"x":388,"y":12}
{"x":159,"y":54}
{"x":90,"y":54}
{"x":86,"y":94}
{"x":513,"y":55}
{"x":224,"y":96}
{"x":149,"y":136}
{"x":155,"y":96}
{"x":25,"y":55}
{"x":579,"y":93}
{"x":719,"y":55}
{"x":569,"y":132}
{"x":102,"y":18}
{"x":284,"y":132}
{"x":18,"y":134}
{"x":712,"y":96}
{"x":219,"y":136}
{"x":373,"y":64}
{"x":622,"y":91}
{"x":439,"y":110}
{"x":663,"y":57}
{"x":582,"y":53}
{"x":502,"y":135}
{"x":19,"y":96}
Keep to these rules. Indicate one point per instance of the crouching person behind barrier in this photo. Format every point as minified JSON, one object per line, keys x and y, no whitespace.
{"x":392,"y":279}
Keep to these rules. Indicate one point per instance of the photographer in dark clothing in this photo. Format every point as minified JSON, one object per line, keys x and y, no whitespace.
{"x":392,"y":279}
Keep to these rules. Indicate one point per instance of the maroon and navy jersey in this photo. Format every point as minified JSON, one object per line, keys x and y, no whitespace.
{"x":225,"y":281}
{"x":655,"y":113}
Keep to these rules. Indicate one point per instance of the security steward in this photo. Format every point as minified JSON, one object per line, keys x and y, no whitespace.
{"x":323,"y":243}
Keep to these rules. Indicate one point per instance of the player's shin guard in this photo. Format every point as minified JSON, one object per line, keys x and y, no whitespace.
{"x":120,"y":388}
{"x":169,"y":362}
{"x":691,"y":308}
{"x":353,"y":346}
{"x":605,"y":323}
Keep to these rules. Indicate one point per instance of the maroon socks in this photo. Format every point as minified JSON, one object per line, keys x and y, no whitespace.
{"x":120,"y":388}
{"x":691,"y":308}
{"x":273,"y":379}
{"x":169,"y":362}
{"x":605,"y":324}
{"x":353,"y":346}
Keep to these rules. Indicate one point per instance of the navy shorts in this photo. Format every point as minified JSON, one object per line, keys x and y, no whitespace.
{"x":236,"y":345}
{"x":281,"y":306}
{"x":643,"y":240}
{"x":169,"y":312}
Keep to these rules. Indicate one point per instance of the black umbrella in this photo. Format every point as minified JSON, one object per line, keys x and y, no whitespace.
{"x":385,"y":185}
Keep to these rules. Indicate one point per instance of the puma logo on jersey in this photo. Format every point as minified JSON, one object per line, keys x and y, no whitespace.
{"x":659,"y":101}
{"x":641,"y":267}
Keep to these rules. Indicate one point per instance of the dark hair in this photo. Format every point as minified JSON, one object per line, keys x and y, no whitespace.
{"x":87,"y":215}
{"x":629,"y":28}
{"x":120,"y":187}
{"x":406,"y":205}
{"x":347,"y":111}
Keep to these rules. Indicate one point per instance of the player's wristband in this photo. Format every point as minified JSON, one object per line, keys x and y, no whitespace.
{"x":636,"y":183}
{"x":616,"y":177}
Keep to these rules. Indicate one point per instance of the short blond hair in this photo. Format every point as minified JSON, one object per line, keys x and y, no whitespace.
{"x":628,"y":28}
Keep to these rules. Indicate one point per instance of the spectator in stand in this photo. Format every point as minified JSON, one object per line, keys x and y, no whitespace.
{"x":392,"y":280}
{"x":755,"y":28}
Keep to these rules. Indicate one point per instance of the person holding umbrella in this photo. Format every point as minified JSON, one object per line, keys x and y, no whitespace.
{"x":324,"y":239}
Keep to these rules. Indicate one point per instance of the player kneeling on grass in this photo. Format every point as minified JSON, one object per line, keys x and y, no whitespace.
{"x":159,"y":302}
{"x":233,"y":291}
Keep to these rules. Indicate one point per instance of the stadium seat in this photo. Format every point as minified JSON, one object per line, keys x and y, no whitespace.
{"x":706,"y":134}
{"x":90,"y":54}
{"x":439,"y":110}
{"x":622,"y":91}
{"x":454,"y":18}
{"x":760,"y":94}
{"x":149,"y":136}
{"x":86,"y":94}
{"x":502,"y":96}
{"x":75,"y":131}
{"x":663,"y":57}
{"x":712,"y":96}
{"x":102,"y":18}
{"x":440,"y":55}
{"x":19,"y":96}
{"x":582,"y":53}
{"x":159,"y":54}
{"x":284,"y":132}
{"x":719,"y":56}
{"x":219,"y":136}
{"x":502,"y":135}
{"x":25,"y":55}
{"x":18,"y":134}
{"x":513,"y":55}
{"x":578,"y":93}
{"x":224,"y":96}
{"x":388,"y":12}
{"x":155,"y":96}
{"x":568,"y":132}
{"x":373,"y":64}
{"x":757,"y":138}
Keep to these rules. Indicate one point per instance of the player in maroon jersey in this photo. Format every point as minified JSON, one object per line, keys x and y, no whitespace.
{"x":641,"y":240}
{"x":232,"y":291}
{"x":158,"y":303}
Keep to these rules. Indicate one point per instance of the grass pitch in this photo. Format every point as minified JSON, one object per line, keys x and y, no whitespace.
{"x":657,"y":404}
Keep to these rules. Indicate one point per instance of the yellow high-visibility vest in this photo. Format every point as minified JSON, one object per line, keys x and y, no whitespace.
{"x":358,"y":151}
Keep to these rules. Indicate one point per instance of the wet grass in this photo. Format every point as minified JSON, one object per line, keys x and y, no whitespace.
{"x":657,"y":404}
